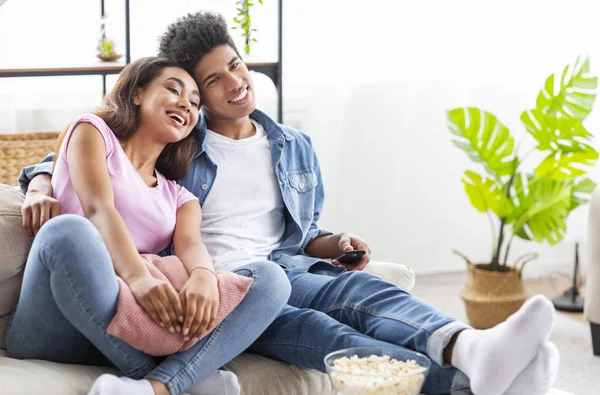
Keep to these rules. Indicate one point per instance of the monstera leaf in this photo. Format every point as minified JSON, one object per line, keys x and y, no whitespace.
{"x":545,"y":217}
{"x":556,"y":134}
{"x":566,"y":165}
{"x":485,"y":139}
{"x":570,"y":94}
{"x":581,"y":193}
{"x":485,"y":195}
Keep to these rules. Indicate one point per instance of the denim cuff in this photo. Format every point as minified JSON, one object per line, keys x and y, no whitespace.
{"x":440,"y":339}
{"x":312,"y":234}
{"x":461,"y":385}
{"x":29,"y":172}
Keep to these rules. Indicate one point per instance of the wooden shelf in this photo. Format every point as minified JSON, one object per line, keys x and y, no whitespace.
{"x":94,"y":69}
{"x":267,"y":68}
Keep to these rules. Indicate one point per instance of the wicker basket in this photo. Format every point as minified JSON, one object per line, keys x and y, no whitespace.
{"x":491,"y":297}
{"x":20,"y":150}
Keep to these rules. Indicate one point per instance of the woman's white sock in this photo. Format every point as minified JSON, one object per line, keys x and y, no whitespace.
{"x":108,"y":384}
{"x":221,"y":382}
{"x":493,"y":358}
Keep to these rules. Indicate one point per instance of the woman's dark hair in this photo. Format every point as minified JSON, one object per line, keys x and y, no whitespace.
{"x":190,"y":38}
{"x":122,"y":115}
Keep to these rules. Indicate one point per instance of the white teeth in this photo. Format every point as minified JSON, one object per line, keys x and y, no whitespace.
{"x":240,"y":96}
{"x":177,"y":117}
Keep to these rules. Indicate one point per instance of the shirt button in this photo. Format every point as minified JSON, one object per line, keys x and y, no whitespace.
{"x":301,"y":185}
{"x":204,"y":186}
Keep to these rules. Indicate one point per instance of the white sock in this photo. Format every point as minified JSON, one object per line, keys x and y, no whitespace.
{"x":493,"y":358}
{"x":539,"y":376}
{"x":108,"y":384}
{"x":221,"y":382}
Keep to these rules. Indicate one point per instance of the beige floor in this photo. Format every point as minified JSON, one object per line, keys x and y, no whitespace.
{"x":579,"y":369}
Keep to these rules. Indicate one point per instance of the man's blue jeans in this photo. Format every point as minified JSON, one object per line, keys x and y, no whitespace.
{"x":69,"y":296}
{"x":344,"y":309}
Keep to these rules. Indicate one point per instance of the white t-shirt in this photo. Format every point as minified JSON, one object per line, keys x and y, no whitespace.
{"x":243,"y":215}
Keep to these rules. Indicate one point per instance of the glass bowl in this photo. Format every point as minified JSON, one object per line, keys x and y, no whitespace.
{"x":357,"y":381}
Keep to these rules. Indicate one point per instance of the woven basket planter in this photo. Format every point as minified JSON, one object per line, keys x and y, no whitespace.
{"x":20,"y":150}
{"x":491,"y":297}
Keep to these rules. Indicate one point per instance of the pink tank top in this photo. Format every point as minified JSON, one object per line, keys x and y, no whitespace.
{"x":148,"y":212}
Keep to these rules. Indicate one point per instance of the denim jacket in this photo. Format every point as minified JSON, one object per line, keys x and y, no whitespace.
{"x":297,"y":170}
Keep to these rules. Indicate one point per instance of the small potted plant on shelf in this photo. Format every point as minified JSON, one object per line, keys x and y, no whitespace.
{"x":530,"y":205}
{"x":106,"y":45}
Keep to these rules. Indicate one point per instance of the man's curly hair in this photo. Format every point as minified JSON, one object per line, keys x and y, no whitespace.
{"x":189,"y":38}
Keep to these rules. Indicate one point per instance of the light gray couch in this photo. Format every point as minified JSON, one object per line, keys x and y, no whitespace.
{"x":257,"y":375}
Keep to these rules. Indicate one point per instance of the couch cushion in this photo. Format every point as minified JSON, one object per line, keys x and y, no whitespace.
{"x":14,"y":246}
{"x":398,"y":274}
{"x":257,"y":375}
{"x":29,"y":377}
{"x":260,"y":375}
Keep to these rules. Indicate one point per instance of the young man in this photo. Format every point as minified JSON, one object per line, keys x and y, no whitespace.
{"x":261,"y":192}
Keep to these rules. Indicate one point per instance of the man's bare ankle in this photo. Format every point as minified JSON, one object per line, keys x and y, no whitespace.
{"x":450,"y":347}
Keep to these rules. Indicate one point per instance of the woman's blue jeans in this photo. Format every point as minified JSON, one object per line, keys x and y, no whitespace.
{"x":69,"y":297}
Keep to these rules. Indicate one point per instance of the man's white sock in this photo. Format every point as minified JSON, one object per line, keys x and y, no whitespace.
{"x":108,"y":384}
{"x":539,"y":376}
{"x":493,"y":358}
{"x":221,"y":382}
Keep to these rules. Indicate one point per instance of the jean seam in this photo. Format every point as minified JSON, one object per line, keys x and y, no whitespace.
{"x":173,"y":382}
{"x":289,"y":344}
{"x":375,"y":314}
{"x":135,"y":372}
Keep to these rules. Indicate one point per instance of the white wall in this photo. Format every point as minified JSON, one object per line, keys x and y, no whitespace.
{"x":370,"y":82}
{"x":377,"y":81}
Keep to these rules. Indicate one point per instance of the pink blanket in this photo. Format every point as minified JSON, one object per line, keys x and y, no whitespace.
{"x":134,"y":326}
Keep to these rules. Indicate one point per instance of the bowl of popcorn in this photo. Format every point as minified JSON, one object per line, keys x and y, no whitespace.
{"x":377,"y":371}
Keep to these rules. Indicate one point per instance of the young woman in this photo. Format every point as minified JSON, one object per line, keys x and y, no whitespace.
{"x":115,"y":178}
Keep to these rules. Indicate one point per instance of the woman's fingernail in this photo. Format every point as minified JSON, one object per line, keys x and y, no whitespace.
{"x":181,"y":319}
{"x":186,"y":331}
{"x":186,"y":338}
{"x":178,"y":328}
{"x":161,"y":324}
{"x":172,"y":330}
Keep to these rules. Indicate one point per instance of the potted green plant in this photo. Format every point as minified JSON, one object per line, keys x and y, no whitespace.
{"x":531,"y":205}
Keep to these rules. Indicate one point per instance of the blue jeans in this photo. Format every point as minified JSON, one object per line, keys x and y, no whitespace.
{"x":69,"y":296}
{"x":337,"y":309}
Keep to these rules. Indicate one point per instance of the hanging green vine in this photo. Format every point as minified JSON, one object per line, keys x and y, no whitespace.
{"x":244,"y":22}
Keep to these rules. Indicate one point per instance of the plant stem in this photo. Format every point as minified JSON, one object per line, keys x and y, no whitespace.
{"x":525,"y":156}
{"x":495,"y":264}
{"x":493,"y":232}
{"x":247,"y":11}
{"x":508,"y":249}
